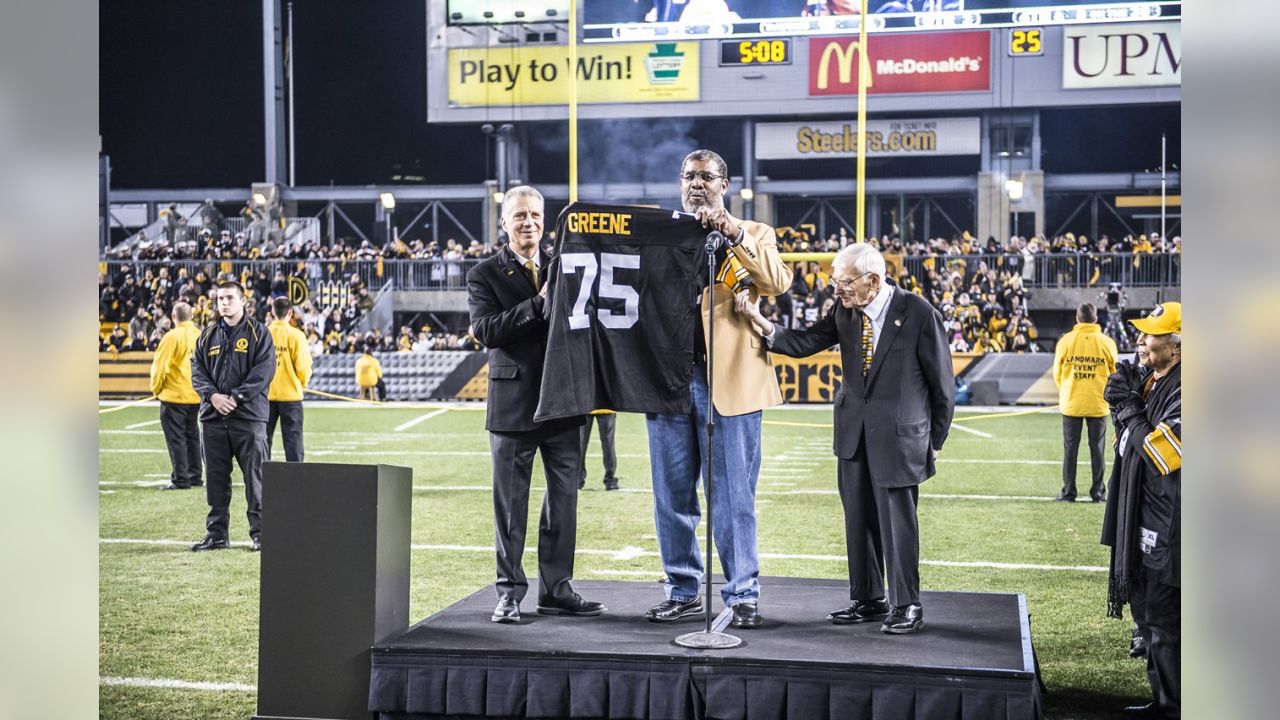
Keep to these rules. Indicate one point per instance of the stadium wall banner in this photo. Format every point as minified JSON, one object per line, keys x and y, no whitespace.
{"x":531,"y":75}
{"x":1125,"y":55}
{"x":906,"y":63}
{"x":885,"y":138}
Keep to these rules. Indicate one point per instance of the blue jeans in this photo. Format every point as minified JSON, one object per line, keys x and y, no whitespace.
{"x":677,"y":456}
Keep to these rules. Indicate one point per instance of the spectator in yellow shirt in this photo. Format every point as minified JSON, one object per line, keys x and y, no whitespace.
{"x":293,"y":372}
{"x":368,"y":375}
{"x":179,"y":403}
{"x":1082,"y":362}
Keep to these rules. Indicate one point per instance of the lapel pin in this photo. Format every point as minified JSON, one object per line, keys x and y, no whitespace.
{"x":898,"y":323}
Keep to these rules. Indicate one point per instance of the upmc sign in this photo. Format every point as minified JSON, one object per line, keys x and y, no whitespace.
{"x":902,"y":63}
{"x":1123,"y":55}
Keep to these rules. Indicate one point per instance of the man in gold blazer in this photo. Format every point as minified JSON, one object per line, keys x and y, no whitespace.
{"x":745,"y":384}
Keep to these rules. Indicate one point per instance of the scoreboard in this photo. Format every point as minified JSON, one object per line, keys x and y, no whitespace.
{"x":780,"y":19}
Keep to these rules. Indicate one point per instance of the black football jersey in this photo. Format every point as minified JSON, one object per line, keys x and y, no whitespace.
{"x":621,"y":310}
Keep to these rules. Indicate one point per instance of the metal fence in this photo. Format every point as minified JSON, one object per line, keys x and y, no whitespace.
{"x":410,"y":274}
{"x":1053,"y":270}
{"x":1037,"y":271}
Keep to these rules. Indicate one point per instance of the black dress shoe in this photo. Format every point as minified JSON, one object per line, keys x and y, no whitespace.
{"x":904,"y":619}
{"x":1098,"y":498}
{"x":582,"y":483}
{"x":171,"y":486}
{"x":211,"y":543}
{"x":611,"y":483}
{"x":573,"y":606}
{"x":746,"y":615}
{"x":1150,"y":710}
{"x":255,"y":545}
{"x":1138,"y":647}
{"x":671,"y":610}
{"x":860,"y":611}
{"x":1065,"y":498}
{"x":507,"y":611}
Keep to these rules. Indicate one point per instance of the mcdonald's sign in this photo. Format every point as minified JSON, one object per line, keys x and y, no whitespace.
{"x":902,"y":63}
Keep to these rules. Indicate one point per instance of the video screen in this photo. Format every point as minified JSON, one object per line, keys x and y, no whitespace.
{"x":605,"y":20}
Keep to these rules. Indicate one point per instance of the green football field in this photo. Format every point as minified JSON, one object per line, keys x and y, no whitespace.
{"x":178,"y":630}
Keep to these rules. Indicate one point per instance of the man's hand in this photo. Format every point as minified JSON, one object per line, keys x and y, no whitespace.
{"x":718,"y":219}
{"x":224,"y":404}
{"x":743,"y":304}
{"x":1124,"y":384}
{"x":542,"y":291}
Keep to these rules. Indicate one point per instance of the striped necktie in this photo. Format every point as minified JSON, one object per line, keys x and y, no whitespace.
{"x":867,"y":343}
{"x":533,"y":270}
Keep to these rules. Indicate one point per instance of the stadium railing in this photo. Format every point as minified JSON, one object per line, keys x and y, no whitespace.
{"x":1037,"y":271}
{"x":1064,"y":270}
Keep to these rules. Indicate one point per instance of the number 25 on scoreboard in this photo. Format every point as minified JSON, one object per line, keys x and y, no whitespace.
{"x":1026,"y":42}
{"x":571,"y":263}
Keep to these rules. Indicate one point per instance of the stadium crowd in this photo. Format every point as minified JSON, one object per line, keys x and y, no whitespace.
{"x":134,"y":312}
{"x":981,"y":288}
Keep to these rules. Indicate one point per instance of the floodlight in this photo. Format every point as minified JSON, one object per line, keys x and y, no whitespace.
{"x":388,"y":201}
{"x":1014,"y":188}
{"x":497,"y":196}
{"x":747,"y":193}
{"x":259,"y":198}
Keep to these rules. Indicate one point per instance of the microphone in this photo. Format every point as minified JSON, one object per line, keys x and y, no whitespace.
{"x":715,"y":241}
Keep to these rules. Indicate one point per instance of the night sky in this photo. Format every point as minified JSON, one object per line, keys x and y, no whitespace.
{"x":181,"y":106}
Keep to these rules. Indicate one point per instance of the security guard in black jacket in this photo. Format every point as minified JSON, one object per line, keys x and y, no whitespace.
{"x":231,"y":368}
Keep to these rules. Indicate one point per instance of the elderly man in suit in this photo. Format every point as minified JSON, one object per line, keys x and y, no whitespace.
{"x":506,"y":294}
{"x":745,"y":384}
{"x":892,"y":414}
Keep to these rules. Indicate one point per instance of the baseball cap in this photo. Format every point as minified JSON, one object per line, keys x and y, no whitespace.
{"x":1164,"y":319}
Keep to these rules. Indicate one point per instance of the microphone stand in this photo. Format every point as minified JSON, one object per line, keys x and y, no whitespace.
{"x":708,"y":639}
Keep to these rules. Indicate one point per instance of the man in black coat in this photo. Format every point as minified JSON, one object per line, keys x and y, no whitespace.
{"x":892,"y":415}
{"x":506,"y":294}
{"x":231,"y":368}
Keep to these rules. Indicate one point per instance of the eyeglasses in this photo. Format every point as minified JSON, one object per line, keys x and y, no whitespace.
{"x":846,"y":284}
{"x":705,"y":176}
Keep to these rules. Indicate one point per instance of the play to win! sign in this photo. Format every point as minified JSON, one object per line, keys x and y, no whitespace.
{"x":625,"y":73}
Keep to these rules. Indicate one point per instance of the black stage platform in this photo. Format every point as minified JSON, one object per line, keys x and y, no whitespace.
{"x":973,"y":660}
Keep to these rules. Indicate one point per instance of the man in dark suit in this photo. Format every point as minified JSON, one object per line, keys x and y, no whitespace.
{"x":892,"y":414}
{"x":506,"y":296}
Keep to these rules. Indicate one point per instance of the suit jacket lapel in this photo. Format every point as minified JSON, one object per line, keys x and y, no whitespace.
{"x":852,"y":327}
{"x":893,"y":319}
{"x":517,"y":271}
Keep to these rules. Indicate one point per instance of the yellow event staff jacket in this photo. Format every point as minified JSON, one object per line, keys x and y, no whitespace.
{"x":1082,"y":361}
{"x":171,"y":366}
{"x":293,"y":363}
{"x":368,"y":371}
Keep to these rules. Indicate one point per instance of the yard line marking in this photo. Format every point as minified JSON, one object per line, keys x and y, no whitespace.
{"x":1014,"y":566}
{"x":632,"y":553}
{"x":421,"y":418}
{"x":627,"y":573}
{"x":971,"y":431}
{"x":149,"y":541}
{"x":171,"y":684}
{"x":955,"y":496}
{"x":135,"y":426}
{"x":106,"y":492}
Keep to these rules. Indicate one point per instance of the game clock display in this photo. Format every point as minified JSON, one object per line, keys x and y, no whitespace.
{"x":755,"y":52}
{"x":1026,"y":42}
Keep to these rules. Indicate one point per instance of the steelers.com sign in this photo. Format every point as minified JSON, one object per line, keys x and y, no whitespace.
{"x":624,"y":73}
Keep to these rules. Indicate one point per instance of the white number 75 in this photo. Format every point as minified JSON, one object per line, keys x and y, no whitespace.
{"x":578,"y":317}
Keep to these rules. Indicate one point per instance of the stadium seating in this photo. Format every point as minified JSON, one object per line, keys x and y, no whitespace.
{"x":409,"y":376}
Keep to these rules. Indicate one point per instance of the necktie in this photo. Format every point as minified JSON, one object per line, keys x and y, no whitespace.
{"x":867,"y":343}
{"x":533,"y":270}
